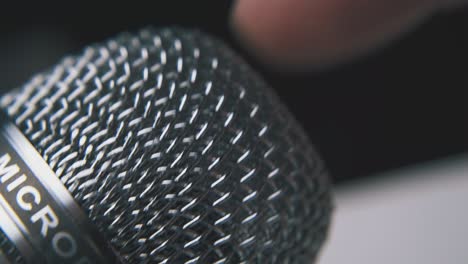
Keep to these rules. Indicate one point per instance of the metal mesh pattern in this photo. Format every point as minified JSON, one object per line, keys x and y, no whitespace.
{"x":178,"y":152}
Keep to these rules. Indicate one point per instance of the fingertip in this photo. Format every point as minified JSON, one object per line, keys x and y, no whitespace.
{"x":266,"y":29}
{"x":249,"y":28}
{"x":304,"y":34}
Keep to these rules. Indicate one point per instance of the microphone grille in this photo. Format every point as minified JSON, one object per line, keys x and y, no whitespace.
{"x":178,"y":151}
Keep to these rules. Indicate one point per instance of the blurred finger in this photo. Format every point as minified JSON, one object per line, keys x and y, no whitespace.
{"x":322,"y":32}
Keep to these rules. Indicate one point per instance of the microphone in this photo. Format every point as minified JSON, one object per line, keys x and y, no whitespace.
{"x":169,"y":148}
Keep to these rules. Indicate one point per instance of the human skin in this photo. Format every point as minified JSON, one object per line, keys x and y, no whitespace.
{"x":311,"y":34}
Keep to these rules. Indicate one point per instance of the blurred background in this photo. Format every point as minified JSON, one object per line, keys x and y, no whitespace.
{"x":403,"y":105}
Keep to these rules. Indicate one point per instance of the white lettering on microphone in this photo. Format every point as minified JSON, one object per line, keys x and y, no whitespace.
{"x":22,"y":193}
{"x":48,"y":219}
{"x":29,"y":199}
{"x":7,"y":171}
{"x":67,"y":250}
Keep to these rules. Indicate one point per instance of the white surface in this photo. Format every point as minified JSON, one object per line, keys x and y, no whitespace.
{"x":414,"y":216}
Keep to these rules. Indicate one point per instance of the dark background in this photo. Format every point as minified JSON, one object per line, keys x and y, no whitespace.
{"x":404,"y":104}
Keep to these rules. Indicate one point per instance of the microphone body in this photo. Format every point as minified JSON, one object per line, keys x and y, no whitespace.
{"x":177,"y":152}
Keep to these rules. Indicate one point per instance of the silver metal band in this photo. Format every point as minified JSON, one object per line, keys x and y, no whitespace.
{"x":9,"y":225}
{"x":3,"y":258}
{"x":37,"y":212}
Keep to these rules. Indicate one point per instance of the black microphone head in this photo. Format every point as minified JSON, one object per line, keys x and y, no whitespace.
{"x":178,"y":151}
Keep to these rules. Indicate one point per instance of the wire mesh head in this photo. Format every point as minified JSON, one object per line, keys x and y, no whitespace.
{"x":178,"y":152}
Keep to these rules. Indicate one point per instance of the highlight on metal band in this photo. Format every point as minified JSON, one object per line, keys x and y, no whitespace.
{"x":37,"y":213}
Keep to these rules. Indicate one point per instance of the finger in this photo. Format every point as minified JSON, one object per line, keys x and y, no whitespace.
{"x":318,"y":33}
